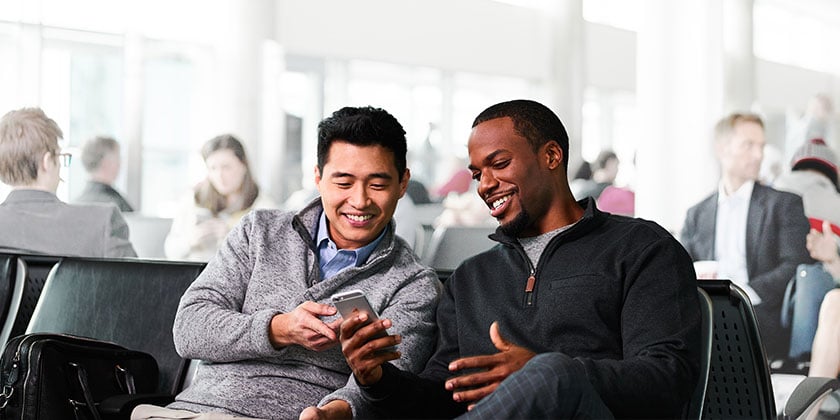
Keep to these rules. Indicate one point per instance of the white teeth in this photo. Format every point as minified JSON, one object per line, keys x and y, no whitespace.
{"x":500,"y":201}
{"x":356,"y":218}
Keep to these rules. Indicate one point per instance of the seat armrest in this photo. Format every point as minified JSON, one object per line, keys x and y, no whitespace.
{"x":807,"y":394}
{"x":119,"y":407}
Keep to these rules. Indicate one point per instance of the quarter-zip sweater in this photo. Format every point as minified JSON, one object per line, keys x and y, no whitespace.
{"x":269,"y":265}
{"x":618,"y":294}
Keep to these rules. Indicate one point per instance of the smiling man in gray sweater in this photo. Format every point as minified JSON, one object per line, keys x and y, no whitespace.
{"x":259,"y":316}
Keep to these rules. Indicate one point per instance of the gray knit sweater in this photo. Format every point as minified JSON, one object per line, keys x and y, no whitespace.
{"x":268,"y":266}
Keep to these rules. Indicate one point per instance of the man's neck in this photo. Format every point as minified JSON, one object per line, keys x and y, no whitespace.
{"x":730,"y":185}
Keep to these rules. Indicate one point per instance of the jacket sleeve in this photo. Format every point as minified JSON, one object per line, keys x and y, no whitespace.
{"x":784,"y":251}
{"x":660,"y":332}
{"x":118,"y":244}
{"x":209,"y":324}
{"x":413,"y":316}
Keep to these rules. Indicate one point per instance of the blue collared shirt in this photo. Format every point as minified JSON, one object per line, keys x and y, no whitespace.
{"x":333,"y":260}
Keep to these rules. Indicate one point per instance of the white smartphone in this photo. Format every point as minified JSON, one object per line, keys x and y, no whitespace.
{"x":355,"y":300}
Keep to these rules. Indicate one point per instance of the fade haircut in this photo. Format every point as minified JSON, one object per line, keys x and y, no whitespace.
{"x":363,"y":126}
{"x":205,"y":193}
{"x":532,"y":120}
{"x":726,"y":126}
{"x":96,"y":149}
{"x":25,"y":135}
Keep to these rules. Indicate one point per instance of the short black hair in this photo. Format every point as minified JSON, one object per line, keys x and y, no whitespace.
{"x":532,"y":120}
{"x":363,"y":126}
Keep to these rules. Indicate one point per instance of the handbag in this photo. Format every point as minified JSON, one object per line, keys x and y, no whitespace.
{"x":61,"y":376}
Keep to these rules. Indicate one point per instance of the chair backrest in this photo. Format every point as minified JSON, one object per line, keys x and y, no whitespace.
{"x":450,"y":245}
{"x":8,"y":269}
{"x":695,"y":406}
{"x":128,"y":302}
{"x":739,"y":377}
{"x":148,"y":234}
{"x":31,"y":272}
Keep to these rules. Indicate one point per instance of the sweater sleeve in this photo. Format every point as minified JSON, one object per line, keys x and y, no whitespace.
{"x":660,"y":332}
{"x":209,"y":324}
{"x":412,"y":314}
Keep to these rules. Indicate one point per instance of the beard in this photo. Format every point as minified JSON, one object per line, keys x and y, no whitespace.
{"x":518,"y":224}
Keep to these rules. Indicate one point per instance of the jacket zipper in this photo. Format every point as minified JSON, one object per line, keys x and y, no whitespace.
{"x":529,"y":288}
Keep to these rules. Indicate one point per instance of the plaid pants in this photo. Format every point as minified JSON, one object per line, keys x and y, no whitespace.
{"x":549,"y":386}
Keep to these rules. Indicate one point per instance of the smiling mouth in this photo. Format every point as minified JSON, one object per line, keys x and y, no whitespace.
{"x":498,"y":203}
{"x":359,"y":218}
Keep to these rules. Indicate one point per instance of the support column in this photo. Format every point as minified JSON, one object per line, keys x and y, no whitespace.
{"x":680,"y":96}
{"x":567,"y":73}
{"x":240,"y":54}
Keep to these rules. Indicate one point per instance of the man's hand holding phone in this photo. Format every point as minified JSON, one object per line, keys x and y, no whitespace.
{"x":303,"y":327}
{"x":364,"y":340}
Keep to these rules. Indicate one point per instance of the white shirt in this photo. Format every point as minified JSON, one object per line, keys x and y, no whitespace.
{"x":731,"y":237}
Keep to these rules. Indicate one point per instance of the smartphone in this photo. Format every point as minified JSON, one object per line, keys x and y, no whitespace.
{"x":355,"y":300}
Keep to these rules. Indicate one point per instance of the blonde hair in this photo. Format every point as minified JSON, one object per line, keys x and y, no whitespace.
{"x":25,"y":135}
{"x":726,"y":126}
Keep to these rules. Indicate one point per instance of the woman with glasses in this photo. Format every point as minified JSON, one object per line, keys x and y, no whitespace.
{"x":217,"y":203}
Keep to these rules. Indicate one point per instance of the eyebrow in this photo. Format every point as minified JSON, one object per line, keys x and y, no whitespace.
{"x":382,"y":175}
{"x":487,"y":159}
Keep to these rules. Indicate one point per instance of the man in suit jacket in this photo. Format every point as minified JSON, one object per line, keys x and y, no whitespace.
{"x":32,"y":219}
{"x":755,"y":234}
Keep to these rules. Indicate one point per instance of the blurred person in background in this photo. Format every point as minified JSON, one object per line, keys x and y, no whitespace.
{"x":747,"y":232}
{"x":32,"y":218}
{"x":813,"y":176}
{"x":603,"y":175}
{"x":216,"y":203}
{"x":101,"y":159}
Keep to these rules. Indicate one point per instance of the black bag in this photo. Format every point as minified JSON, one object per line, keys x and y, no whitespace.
{"x":59,"y":376}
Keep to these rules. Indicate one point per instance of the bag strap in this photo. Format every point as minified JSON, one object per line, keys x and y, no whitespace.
{"x":81,"y":376}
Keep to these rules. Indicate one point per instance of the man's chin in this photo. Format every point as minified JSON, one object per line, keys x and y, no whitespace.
{"x":514,"y":227}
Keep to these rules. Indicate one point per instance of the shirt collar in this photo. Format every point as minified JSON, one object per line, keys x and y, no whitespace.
{"x":362,"y":253}
{"x":744,"y":191}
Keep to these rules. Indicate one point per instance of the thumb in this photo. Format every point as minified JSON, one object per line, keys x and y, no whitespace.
{"x":826,"y":228}
{"x":316,"y":308}
{"x":496,"y":337}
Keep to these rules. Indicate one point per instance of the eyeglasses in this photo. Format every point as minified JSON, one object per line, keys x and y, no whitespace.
{"x":64,"y":158}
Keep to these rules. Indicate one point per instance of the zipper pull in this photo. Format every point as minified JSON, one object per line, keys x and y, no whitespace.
{"x":529,"y":289}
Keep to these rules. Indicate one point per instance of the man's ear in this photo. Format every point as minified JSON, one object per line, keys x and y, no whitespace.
{"x":317,"y":173}
{"x":47,"y":160}
{"x":404,"y":183}
{"x":553,"y":155}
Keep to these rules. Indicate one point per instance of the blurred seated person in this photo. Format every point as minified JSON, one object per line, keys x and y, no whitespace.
{"x":32,"y":218}
{"x":747,"y":232}
{"x":825,"y":356}
{"x":606,"y":169}
{"x":101,"y":159}
{"x":813,"y":177}
{"x":216,"y":203}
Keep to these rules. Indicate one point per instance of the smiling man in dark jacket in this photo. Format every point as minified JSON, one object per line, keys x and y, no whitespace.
{"x":589,"y":314}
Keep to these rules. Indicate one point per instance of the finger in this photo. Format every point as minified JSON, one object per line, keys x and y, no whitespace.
{"x":318,"y":308}
{"x":335,"y":324}
{"x":474,"y":395}
{"x":475,"y":362}
{"x":826,"y":228}
{"x":374,"y":337}
{"x":472,"y":380}
{"x":496,"y":337}
{"x":349,"y":326}
{"x":319,"y":327}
